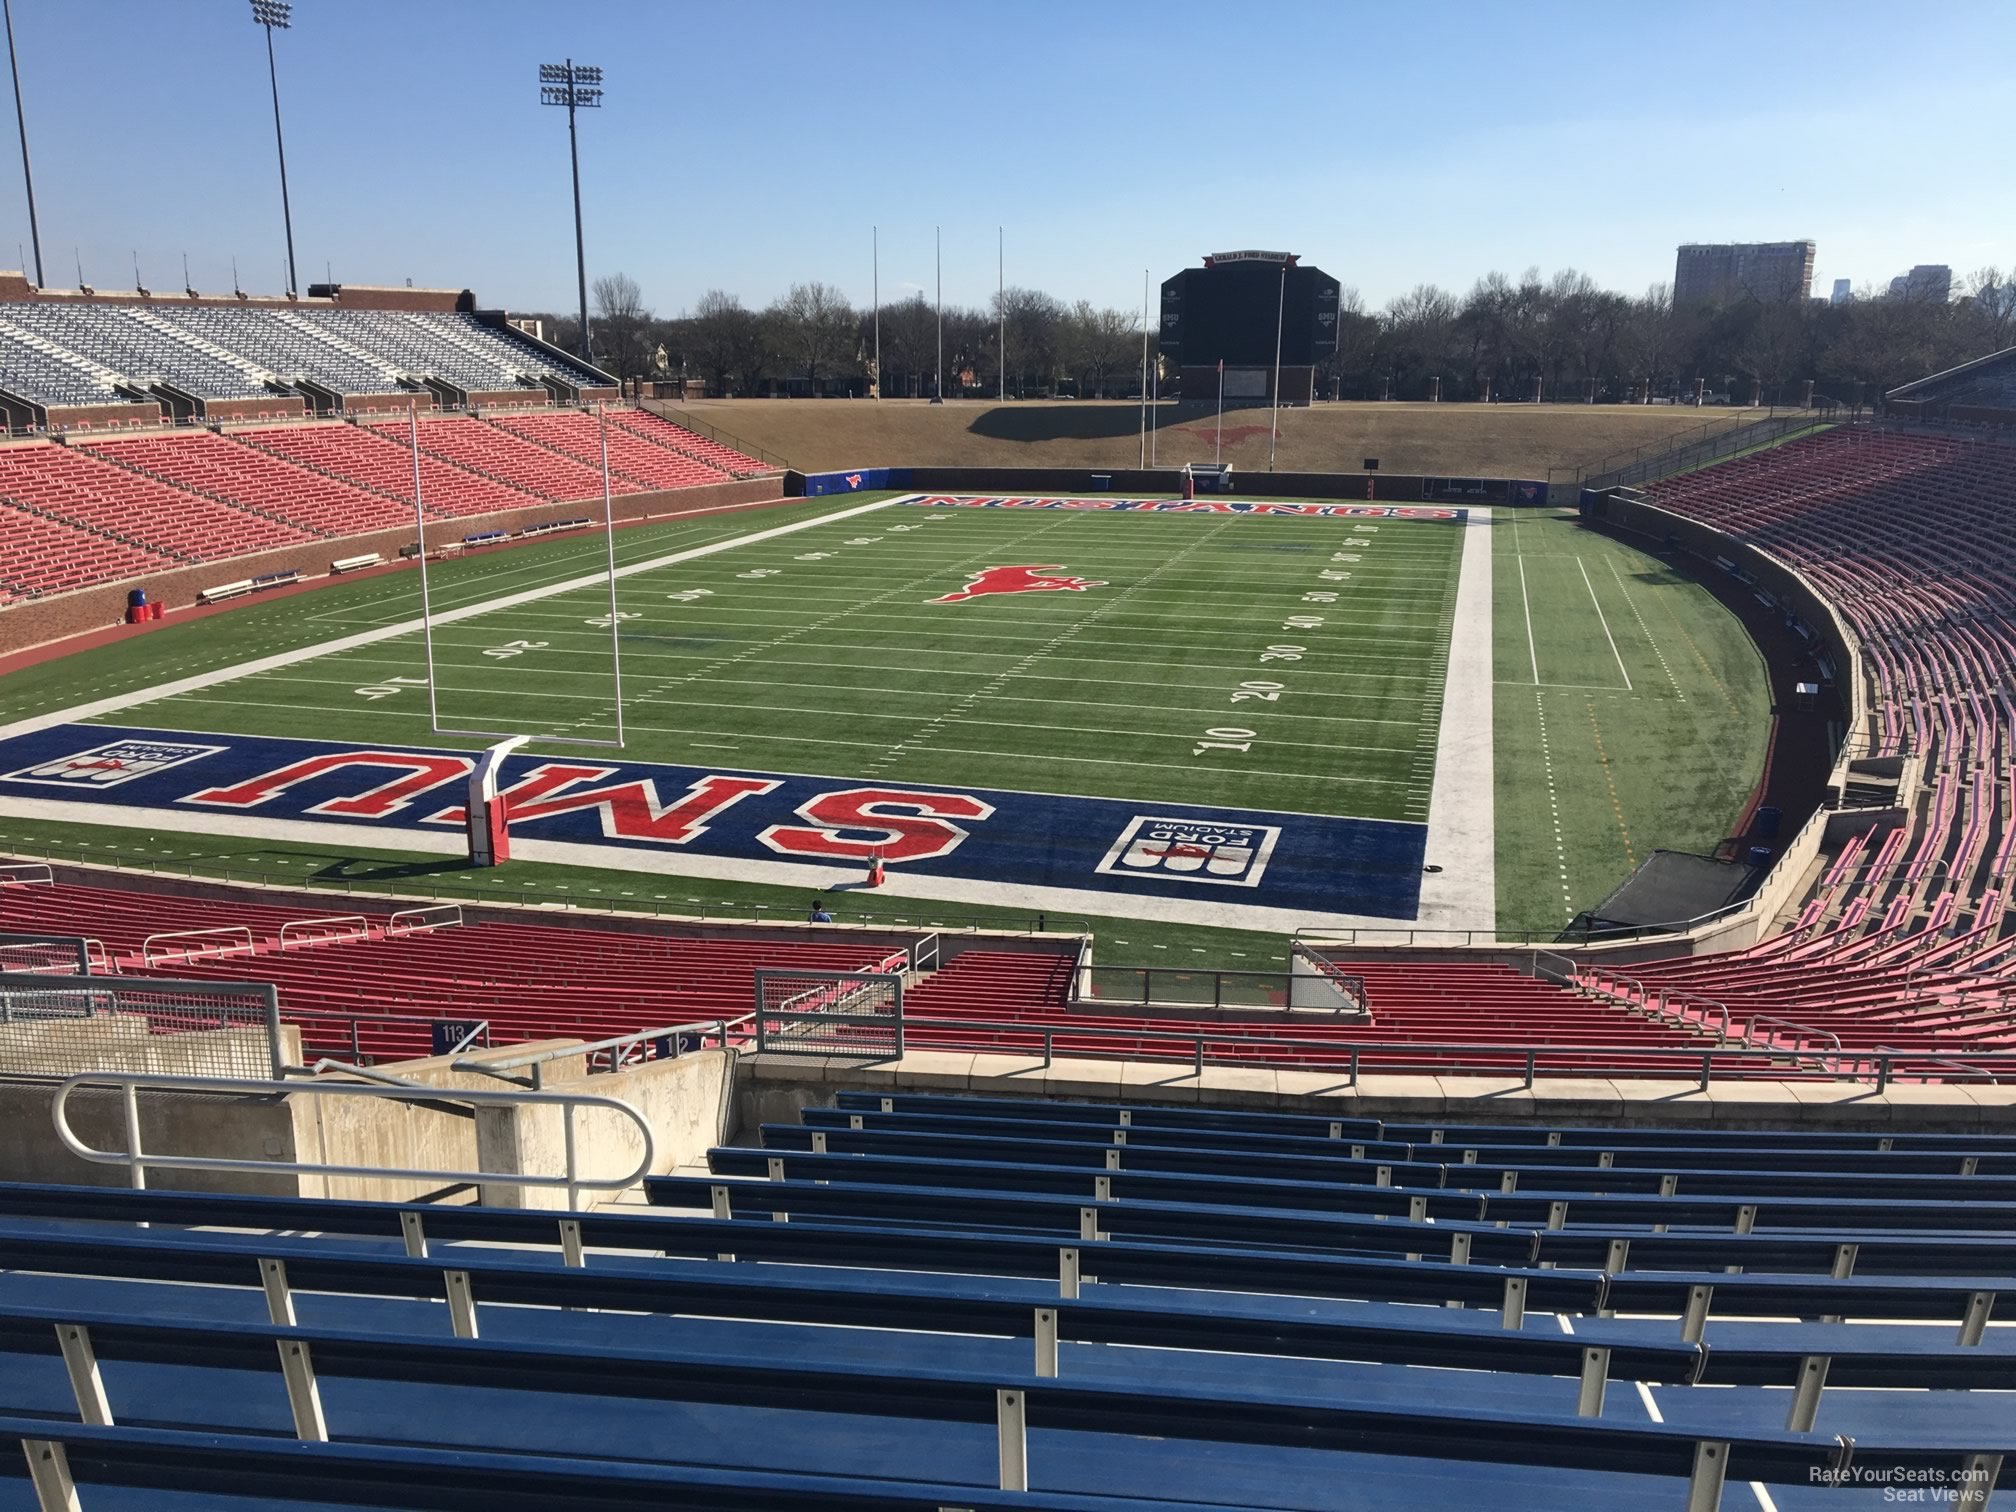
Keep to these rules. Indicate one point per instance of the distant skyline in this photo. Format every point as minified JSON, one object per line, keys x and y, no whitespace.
{"x":746,"y":147}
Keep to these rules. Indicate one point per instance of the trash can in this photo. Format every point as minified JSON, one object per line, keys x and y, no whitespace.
{"x":136,"y":606}
{"x":1760,"y":855}
{"x":1766,"y":825}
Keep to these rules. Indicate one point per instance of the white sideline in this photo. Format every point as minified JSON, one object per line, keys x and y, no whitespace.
{"x":409,"y":627}
{"x":1462,"y":815}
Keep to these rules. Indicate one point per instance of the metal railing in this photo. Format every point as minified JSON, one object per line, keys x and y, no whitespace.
{"x":26,"y":874}
{"x":226,"y":939}
{"x":48,"y":954}
{"x":138,"y":1162}
{"x":431,"y":916}
{"x":609,"y":1055}
{"x":1664,"y":459}
{"x":53,"y":1026}
{"x":300,"y":932}
{"x":494,"y":893}
{"x":1206,"y":1047}
{"x":1185,"y":987}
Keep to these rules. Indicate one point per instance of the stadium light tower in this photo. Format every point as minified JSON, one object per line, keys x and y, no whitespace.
{"x":578,"y":87}
{"x":269,"y":14}
{"x":21,"y":119}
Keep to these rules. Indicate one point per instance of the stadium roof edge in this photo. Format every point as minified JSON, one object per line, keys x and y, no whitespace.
{"x":1904,"y":391}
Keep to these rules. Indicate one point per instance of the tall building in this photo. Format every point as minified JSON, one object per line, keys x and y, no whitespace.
{"x":1842,"y":292}
{"x":1930,"y":282}
{"x":1718,"y":272}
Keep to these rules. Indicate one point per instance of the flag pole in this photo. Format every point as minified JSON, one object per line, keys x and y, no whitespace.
{"x":1280,"y":315}
{"x":1218,"y":446}
{"x":1001,"y":299}
{"x":876,"y":245}
{"x":938,"y":245}
{"x":1144,"y":369}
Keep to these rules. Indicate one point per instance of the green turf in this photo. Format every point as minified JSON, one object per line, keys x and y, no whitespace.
{"x":1592,"y":775}
{"x":834,"y":663}
{"x":821,"y":652}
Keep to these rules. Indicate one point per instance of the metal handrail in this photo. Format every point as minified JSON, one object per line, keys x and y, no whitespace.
{"x":24,"y":874}
{"x":538,"y":1059}
{"x":138,"y":1162}
{"x":931,"y":1034}
{"x":778,"y":916}
{"x":415,"y":924}
{"x":359,"y":922}
{"x":191,"y":952}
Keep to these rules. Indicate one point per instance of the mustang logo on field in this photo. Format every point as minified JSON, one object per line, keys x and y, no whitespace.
{"x":1030,"y":579}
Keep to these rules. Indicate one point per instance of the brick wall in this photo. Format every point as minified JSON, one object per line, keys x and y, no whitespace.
{"x":104,"y":416}
{"x":272,"y":407}
{"x":43,"y":620}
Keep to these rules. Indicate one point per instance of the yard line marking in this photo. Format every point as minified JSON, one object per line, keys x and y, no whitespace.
{"x":1532,"y":646}
{"x":1604,"y":619}
{"x":1650,"y":639}
{"x":211,"y":679}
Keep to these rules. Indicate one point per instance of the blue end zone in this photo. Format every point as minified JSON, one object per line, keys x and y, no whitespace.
{"x":1233,"y":857}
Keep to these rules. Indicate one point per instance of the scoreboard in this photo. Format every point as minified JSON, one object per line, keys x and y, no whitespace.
{"x":1228,"y":311}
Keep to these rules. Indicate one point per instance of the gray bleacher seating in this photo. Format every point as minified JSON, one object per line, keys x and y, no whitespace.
{"x":73,"y":354}
{"x":131,"y":343}
{"x":924,"y":1337}
{"x":31,"y":372}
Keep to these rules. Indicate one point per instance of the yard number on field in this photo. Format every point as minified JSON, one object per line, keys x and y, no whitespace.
{"x":390,"y":686}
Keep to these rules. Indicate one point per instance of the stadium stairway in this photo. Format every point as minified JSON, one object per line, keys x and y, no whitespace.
{"x":1407,"y":1311}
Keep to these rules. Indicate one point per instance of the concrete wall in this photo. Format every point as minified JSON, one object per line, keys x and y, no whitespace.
{"x":681,"y":1099}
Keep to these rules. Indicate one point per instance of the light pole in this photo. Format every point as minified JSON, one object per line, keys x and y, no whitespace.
{"x":269,"y":14}
{"x":21,"y":119}
{"x":578,"y":87}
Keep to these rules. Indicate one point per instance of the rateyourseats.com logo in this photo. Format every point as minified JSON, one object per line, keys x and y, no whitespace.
{"x":1905,"y":1485}
{"x":112,"y":765}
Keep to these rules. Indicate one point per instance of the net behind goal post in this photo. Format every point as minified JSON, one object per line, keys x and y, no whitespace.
{"x":831,"y":1013}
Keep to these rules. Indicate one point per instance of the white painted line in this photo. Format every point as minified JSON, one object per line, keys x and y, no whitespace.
{"x":1764,"y":1501}
{"x":1462,"y":816}
{"x":409,"y":627}
{"x":1532,"y":647}
{"x":1604,"y":619}
{"x":1651,"y":1407}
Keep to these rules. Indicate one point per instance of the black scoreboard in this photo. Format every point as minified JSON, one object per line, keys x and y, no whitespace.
{"x":1229,"y":309}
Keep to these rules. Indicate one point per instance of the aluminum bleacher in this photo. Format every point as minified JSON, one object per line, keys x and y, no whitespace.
{"x":1905,"y":943}
{"x":88,"y":488}
{"x":40,"y":554}
{"x":254,"y":479}
{"x":142,"y":347}
{"x":369,"y":458}
{"x":1017,"y":1303}
{"x":508,"y":458}
{"x":642,"y":463}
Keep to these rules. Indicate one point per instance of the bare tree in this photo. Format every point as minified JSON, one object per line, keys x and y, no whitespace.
{"x":814,"y":329}
{"x":725,"y":341}
{"x":622,"y":318}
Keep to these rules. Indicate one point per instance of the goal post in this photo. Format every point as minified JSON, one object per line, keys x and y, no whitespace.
{"x":427,"y":601}
{"x":854,"y":1014}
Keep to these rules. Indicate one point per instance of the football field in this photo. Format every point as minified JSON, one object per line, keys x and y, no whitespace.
{"x":1272,"y":663}
{"x":1171,"y":696}
{"x":1181,"y":719}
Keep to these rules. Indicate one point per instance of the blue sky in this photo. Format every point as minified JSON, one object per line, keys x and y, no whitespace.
{"x":748,"y":145}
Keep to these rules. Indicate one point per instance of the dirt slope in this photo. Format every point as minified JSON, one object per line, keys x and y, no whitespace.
{"x":1462,"y":440}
